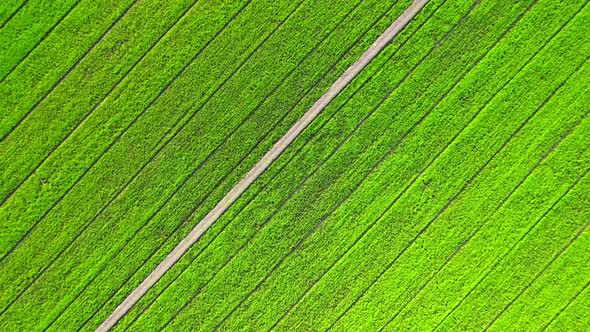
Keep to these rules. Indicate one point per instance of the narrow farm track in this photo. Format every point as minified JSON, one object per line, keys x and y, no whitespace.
{"x":290,"y":160}
{"x":263,"y":164}
{"x":232,"y":258}
{"x":217,"y":185}
{"x":270,"y":165}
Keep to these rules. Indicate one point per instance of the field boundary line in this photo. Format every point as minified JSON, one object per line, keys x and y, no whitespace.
{"x":13,"y":14}
{"x":47,"y":33}
{"x":219,"y":146}
{"x":265,"y":162}
{"x":367,"y":175}
{"x":540,"y":273}
{"x":100,"y":103}
{"x":67,"y":73}
{"x":270,"y":180}
{"x":159,"y":150}
{"x":564,"y":308}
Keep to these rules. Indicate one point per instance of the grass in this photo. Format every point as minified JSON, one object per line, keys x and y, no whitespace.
{"x":26,"y":28}
{"x":8,"y":9}
{"x":40,"y":71}
{"x":193,"y":283}
{"x":11,"y":259}
{"x":116,"y":115}
{"x":445,"y":188}
{"x":93,"y":78}
{"x":574,"y":314}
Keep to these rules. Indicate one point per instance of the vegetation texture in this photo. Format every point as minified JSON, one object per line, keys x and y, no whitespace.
{"x":446,"y":188}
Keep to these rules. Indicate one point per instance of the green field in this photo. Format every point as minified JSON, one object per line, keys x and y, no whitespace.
{"x":446,"y":187}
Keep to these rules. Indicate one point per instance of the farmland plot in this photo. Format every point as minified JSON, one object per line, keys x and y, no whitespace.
{"x":446,"y":187}
{"x":210,"y":294}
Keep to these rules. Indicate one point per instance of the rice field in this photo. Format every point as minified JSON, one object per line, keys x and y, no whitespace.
{"x":445,"y":188}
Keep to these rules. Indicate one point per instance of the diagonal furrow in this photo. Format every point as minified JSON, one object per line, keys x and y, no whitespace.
{"x":499,"y":207}
{"x":566,"y":306}
{"x":448,"y":204}
{"x":355,"y":242}
{"x":150,"y":104}
{"x":231,"y":134}
{"x":13,"y":14}
{"x":151,"y":159}
{"x":553,"y":259}
{"x":503,"y":256}
{"x":40,"y":40}
{"x":64,"y":76}
{"x":100,"y":102}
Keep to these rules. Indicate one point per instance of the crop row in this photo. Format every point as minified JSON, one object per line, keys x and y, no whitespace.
{"x":294,"y":31}
{"x":357,"y":147}
{"x":550,"y":263}
{"x":477,"y":289}
{"x":29,"y":26}
{"x":137,"y":149}
{"x":437,"y":188}
{"x":575,"y":315}
{"x":58,"y":53}
{"x":121,"y":118}
{"x":9,"y":9}
{"x":409,"y":279}
{"x":247,"y":267}
{"x":67,"y":113}
{"x":403,"y":275}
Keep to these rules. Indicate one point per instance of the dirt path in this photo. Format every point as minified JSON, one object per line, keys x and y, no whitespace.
{"x":264,"y":163}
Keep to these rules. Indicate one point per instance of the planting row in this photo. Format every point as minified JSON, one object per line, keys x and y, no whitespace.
{"x":122,"y":118}
{"x":285,"y":66}
{"x":306,"y":196}
{"x":28,"y":27}
{"x":245,"y":272}
{"x":431,"y":194}
{"x":40,"y":71}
